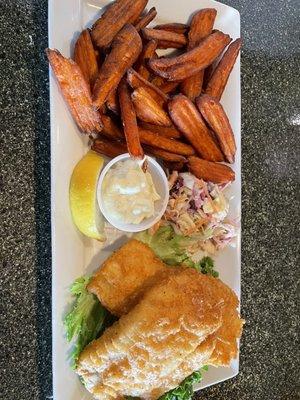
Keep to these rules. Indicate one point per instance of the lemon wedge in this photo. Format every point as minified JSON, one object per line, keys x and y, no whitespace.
{"x":83,"y":198}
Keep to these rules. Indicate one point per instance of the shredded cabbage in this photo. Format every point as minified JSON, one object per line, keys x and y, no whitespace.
{"x":199,"y":209}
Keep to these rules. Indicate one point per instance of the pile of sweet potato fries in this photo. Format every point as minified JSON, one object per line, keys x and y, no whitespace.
{"x":128,"y":99}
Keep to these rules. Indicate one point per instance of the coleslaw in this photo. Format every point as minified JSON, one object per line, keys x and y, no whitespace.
{"x":199,"y":210}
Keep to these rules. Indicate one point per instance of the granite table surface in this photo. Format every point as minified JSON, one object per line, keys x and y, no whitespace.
{"x":269,"y":367}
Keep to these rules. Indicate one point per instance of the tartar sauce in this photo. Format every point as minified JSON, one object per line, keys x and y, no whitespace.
{"x":128,"y":192}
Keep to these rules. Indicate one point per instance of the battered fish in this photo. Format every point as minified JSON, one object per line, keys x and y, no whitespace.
{"x":134,"y":268}
{"x":160,"y":341}
{"x":125,"y":275}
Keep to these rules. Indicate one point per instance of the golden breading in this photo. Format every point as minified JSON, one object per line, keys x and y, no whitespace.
{"x":139,"y":354}
{"x":225,"y":338}
{"x":124,"y":275}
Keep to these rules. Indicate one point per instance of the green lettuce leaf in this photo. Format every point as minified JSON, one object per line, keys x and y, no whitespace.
{"x":172,"y":249}
{"x":86,"y":319}
{"x":186,"y":389}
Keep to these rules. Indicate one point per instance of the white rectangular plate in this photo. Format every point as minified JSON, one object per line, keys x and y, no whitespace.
{"x":72,"y":254}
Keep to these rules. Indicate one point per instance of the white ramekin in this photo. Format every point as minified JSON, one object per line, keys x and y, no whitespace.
{"x":161,"y":185}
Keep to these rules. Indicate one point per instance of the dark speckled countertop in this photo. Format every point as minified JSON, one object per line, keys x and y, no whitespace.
{"x":270,"y":128}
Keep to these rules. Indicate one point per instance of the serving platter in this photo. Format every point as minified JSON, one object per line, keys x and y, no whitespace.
{"x":74,"y":255}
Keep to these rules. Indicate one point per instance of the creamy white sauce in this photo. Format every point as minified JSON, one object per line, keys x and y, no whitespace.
{"x":128,"y":192}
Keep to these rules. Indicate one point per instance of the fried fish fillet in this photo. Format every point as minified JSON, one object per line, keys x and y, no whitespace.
{"x":124,"y":275}
{"x":225,"y":338}
{"x":155,"y":346}
{"x":134,"y":268}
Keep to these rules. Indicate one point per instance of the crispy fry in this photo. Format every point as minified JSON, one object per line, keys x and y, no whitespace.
{"x":208,"y":73}
{"x":85,"y":57}
{"x":168,"y":44}
{"x":158,"y":81}
{"x":147,"y":53}
{"x":126,"y":48}
{"x":169,"y":87}
{"x":112,"y":102}
{"x":129,"y":122}
{"x":75,"y":91}
{"x":109,"y":148}
{"x":135,"y":81}
{"x":173,"y":27}
{"x":171,"y":145}
{"x":164,"y":155}
{"x":219,"y":78}
{"x":215,"y":116}
{"x":188,"y":120}
{"x":148,"y":110}
{"x":174,"y":166}
{"x":201,"y":26}
{"x":192,"y":86}
{"x":211,"y":171}
{"x":175,"y":40}
{"x":146,"y":19}
{"x":116,"y":16}
{"x":166,"y":131}
{"x":110,"y":128}
{"x":164,"y":85}
{"x":193,"y":61}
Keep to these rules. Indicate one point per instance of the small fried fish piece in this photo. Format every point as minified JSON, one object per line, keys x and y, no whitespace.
{"x":120,"y":280}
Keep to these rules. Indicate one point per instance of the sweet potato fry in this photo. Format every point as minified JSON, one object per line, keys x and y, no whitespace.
{"x":116,"y":16}
{"x":135,"y":81}
{"x":158,"y":81}
{"x":148,"y":110}
{"x":171,"y":145}
{"x":108,"y":148}
{"x":110,"y":128}
{"x":126,"y":48}
{"x":201,"y":26}
{"x":192,"y":86}
{"x":112,"y":102}
{"x":166,"y":131}
{"x":173,"y":27}
{"x":188,"y":120}
{"x":167,"y":44}
{"x":85,"y":57}
{"x":75,"y":91}
{"x":215,"y":116}
{"x":219,"y":78}
{"x":147,"y":53}
{"x":164,"y":155}
{"x":193,"y":61}
{"x":129,"y":122}
{"x":169,"y":87}
{"x":175,"y":40}
{"x":174,"y":166}
{"x":146,"y":19}
{"x":164,"y":85}
{"x":208,"y":73}
{"x":210,"y":171}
